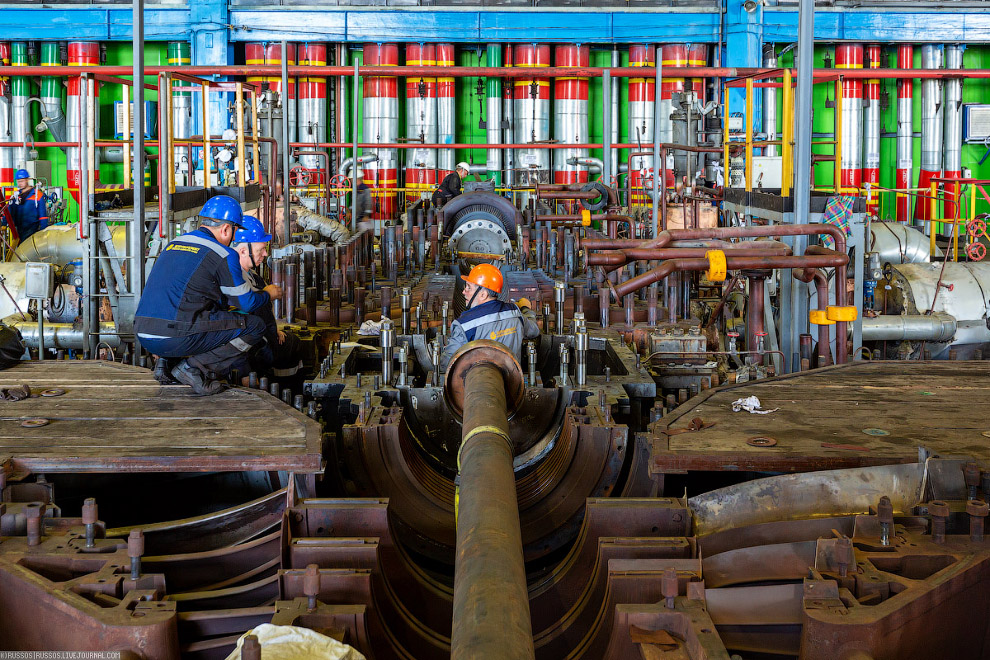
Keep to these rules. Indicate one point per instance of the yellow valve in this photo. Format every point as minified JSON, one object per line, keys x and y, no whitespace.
{"x":585,"y":218}
{"x":835,"y":313}
{"x":819,"y":317}
{"x":716,"y":266}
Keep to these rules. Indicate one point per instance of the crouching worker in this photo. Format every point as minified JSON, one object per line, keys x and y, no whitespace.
{"x":487,"y":317}
{"x":184,"y":314}
{"x":280,"y":354}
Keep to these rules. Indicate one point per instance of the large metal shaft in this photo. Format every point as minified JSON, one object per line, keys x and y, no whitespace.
{"x":938,"y":327}
{"x":491,"y":602}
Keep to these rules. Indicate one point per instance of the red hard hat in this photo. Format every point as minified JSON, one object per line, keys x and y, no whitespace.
{"x":485,"y":275}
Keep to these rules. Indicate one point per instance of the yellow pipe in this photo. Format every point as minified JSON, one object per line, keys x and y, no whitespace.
{"x":932,"y":225}
{"x":955,"y":225}
{"x":749,"y":134}
{"x":837,"y":118}
{"x":725,"y":140}
{"x":786,"y":161}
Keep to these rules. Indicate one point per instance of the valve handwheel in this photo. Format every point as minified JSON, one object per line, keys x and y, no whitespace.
{"x":340,"y":184}
{"x":299,"y":176}
{"x":976,"y":251}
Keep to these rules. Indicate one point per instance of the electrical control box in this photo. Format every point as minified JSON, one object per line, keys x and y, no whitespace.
{"x":767,"y":171}
{"x":39,"y":280}
{"x":40,"y":170}
{"x":150,"y":119}
{"x":976,"y":122}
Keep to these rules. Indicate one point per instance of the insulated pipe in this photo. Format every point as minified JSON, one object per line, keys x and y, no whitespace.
{"x":570,"y":115}
{"x":508,"y":112}
{"x":871,"y":132}
{"x":905,"y":132}
{"x":594,"y":165}
{"x":65,"y":335}
{"x":178,"y":53}
{"x":641,"y":108}
{"x":937,"y":327}
{"x":312,"y":109}
{"x":257,"y":53}
{"x":60,"y":244}
{"x":952,"y":146}
{"x":446,"y":111}
{"x":931,"y":133}
{"x":493,"y":119}
{"x":6,"y":153}
{"x":348,"y":163}
{"x":381,"y":125}
{"x":531,"y":115}
{"x":850,"y":56}
{"x":421,"y":123}
{"x":770,"y":102}
{"x":613,"y":101}
{"x":51,"y":92}
{"x":81,"y":53}
{"x":491,"y":600}
{"x":20,"y":116}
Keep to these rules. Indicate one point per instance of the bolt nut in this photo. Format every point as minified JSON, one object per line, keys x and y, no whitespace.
{"x":885,"y":510}
{"x":978,"y":508}
{"x":89,"y":511}
{"x":938,"y":508}
{"x":135,"y":543}
{"x":971,"y":473}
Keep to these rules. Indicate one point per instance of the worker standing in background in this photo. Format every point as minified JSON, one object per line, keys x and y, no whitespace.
{"x":185,"y":309}
{"x":487,"y":317}
{"x":450,"y":187}
{"x":28,"y":208}
{"x":280,"y":355}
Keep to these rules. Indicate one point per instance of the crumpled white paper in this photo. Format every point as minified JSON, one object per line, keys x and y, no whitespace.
{"x":751,"y":405}
{"x":371,"y":328}
{"x":296,"y":643}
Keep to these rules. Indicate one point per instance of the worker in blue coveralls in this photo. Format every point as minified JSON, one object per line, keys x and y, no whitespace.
{"x":280,"y":354}
{"x":27,"y":207}
{"x":184,"y":313}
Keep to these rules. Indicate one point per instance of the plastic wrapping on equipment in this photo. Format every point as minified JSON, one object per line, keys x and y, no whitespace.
{"x":332,"y":230}
{"x":296,"y":643}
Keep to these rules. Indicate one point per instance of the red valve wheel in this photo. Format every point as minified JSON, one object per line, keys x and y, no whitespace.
{"x":340,"y":184}
{"x":976,"y":251}
{"x":299,"y":176}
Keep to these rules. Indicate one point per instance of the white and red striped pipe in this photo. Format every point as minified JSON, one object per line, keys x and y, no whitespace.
{"x":905,"y":132}
{"x":642,"y":92}
{"x":850,"y":56}
{"x":446,"y":109}
{"x":871,"y":132}
{"x":264,"y":53}
{"x":532,"y":113}
{"x":931,"y":134}
{"x":81,"y":53}
{"x":421,"y":122}
{"x":570,"y":114}
{"x":381,"y":125}
{"x":312,"y":108}
{"x":952,"y":139}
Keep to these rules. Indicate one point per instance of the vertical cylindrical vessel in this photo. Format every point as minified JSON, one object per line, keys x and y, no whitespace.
{"x":51,"y":92}
{"x":493,"y":117}
{"x":446,"y":119}
{"x":508,"y":111}
{"x":770,"y":101}
{"x":614,"y":102}
{"x":381,"y":125}
{"x":570,"y":104}
{"x":81,"y":53}
{"x":905,"y":132}
{"x":20,"y":119}
{"x":6,"y":153}
{"x":952,"y":149}
{"x":871,"y":131}
{"x":421,"y":122}
{"x":532,"y":114}
{"x":182,"y":112}
{"x":641,"y":119}
{"x":850,"y":56}
{"x":271,"y":54}
{"x":679,"y":55}
{"x":931,"y":132}
{"x":312,"y":109}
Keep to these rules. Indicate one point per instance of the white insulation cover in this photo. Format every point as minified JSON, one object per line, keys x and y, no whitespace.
{"x":296,"y":643}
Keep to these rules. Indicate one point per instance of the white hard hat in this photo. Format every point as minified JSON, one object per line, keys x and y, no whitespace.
{"x":463,"y":166}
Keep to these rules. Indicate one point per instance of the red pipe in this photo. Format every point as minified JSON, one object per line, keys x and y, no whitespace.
{"x":470,"y":72}
{"x":755,"y":325}
{"x":619,"y":258}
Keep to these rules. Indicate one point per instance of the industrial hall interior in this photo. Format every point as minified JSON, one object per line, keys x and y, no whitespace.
{"x":494,"y":329}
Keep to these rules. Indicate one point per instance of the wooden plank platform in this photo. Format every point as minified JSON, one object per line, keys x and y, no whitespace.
{"x":858,"y":414}
{"x":117,"y":418}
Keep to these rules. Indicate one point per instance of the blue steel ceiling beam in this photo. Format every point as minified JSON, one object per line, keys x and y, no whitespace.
{"x":113,"y":23}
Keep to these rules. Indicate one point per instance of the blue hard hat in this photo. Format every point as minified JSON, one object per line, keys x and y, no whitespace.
{"x":21,"y":174}
{"x":252,"y":231}
{"x":222,"y":209}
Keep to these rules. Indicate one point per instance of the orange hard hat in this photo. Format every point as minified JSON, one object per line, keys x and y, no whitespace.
{"x":485,"y":275}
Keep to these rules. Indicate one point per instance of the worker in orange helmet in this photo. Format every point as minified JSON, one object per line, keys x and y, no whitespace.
{"x":487,"y":317}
